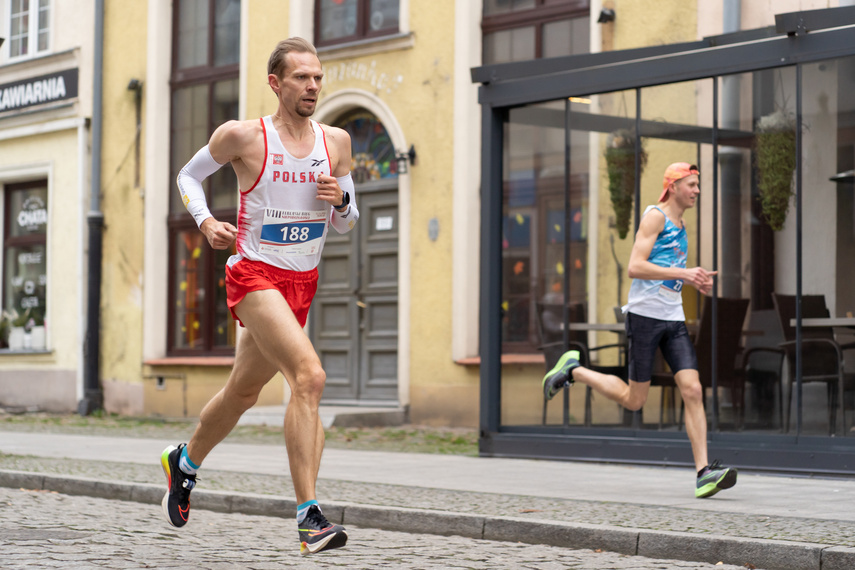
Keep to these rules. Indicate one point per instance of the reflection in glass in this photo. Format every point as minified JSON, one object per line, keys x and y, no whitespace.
{"x":224,"y":324}
{"x":566,"y":37}
{"x":44,"y":24}
{"x":190,"y":131}
{"x":192,"y":33}
{"x":517,"y":44}
{"x":494,"y":7}
{"x":338,"y":19}
{"x":373,"y":153}
{"x":226,"y":32}
{"x":828,"y":239}
{"x":24,"y":308}
{"x":224,"y":181}
{"x":189,"y":293}
{"x":383,"y":15}
{"x":22,"y":323}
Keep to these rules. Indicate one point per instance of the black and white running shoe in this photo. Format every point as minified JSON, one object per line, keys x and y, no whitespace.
{"x":317,"y":533}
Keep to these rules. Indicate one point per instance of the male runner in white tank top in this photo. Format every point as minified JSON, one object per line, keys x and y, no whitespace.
{"x":655,"y":320}
{"x":294,"y":178}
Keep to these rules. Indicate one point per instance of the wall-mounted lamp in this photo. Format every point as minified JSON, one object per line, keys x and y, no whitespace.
{"x":606,"y":15}
{"x":406,"y":158}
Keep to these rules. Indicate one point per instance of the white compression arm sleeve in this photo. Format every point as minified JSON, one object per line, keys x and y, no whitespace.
{"x":344,"y":221}
{"x":201,"y":166}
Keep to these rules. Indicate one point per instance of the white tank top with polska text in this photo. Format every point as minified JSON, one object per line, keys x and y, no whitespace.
{"x":280,"y":221}
{"x":657,"y":298}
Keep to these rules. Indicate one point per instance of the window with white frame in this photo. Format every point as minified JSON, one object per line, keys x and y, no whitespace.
{"x":28,"y":30}
{"x":22,"y":323}
{"x":340,"y":21}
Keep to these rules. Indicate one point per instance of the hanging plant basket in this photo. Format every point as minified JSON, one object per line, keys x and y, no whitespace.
{"x":620,"y":163}
{"x":775,"y":160}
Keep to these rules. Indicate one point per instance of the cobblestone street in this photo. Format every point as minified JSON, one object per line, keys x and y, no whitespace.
{"x":40,"y":529}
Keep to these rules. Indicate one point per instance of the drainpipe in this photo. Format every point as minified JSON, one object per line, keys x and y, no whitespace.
{"x":93,"y":397}
{"x":730,"y":161}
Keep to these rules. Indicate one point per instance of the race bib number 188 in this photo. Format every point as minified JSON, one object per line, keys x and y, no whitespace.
{"x":292,"y":232}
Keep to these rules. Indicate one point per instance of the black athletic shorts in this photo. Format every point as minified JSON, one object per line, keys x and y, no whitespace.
{"x":644,"y":335}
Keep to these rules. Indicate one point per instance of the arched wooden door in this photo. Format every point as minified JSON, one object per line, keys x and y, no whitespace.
{"x":354,"y":318}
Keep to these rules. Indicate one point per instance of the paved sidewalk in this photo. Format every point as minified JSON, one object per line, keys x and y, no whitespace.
{"x":765,"y":521}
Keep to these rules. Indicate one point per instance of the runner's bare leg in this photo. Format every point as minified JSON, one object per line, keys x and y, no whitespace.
{"x":251,"y":371}
{"x":282,"y":341}
{"x":692,"y":393}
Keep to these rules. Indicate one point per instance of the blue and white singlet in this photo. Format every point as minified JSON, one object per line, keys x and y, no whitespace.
{"x":657,"y":298}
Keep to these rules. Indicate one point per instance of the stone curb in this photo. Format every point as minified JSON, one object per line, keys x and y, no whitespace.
{"x":711,"y":549}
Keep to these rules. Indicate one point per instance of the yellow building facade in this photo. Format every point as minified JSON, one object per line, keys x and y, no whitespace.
{"x":415,"y":82}
{"x":45,"y":105}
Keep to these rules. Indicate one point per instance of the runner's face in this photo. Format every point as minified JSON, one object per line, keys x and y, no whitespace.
{"x":301,"y":83}
{"x":687,"y":190}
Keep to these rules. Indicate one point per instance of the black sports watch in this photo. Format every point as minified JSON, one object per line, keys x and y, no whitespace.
{"x":345,"y":200}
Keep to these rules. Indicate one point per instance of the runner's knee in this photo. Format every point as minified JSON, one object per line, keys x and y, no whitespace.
{"x":241,"y":397}
{"x":310,"y":381}
{"x":692,"y":392}
{"x":634,"y":402}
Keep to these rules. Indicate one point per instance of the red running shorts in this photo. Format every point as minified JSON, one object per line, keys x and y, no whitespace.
{"x":298,"y":287}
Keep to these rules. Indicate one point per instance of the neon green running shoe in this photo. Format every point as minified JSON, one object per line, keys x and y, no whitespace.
{"x":714,"y":478}
{"x":560,"y":375}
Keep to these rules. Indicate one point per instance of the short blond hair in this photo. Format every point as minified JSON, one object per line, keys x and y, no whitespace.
{"x":276,"y":65}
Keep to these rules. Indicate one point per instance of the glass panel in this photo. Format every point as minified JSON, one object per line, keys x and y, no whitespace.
{"x":828,"y":241}
{"x":224,"y":324}
{"x":25,"y":270}
{"x":28,"y":212}
{"x":383,"y":15}
{"x":566,"y":37}
{"x":24,"y":307}
{"x":192,"y":33}
{"x":676,"y":126}
{"x":545,"y":240}
{"x":495,"y":7}
{"x":44,"y":24}
{"x":338,"y":19}
{"x":20,"y":23}
{"x":224,"y":182}
{"x":190,"y":132}
{"x":517,"y":44}
{"x":226,"y":32}
{"x":189,"y":293}
{"x":373,"y":153}
{"x":744,"y":239}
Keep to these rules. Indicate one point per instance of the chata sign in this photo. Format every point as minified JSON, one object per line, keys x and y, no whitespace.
{"x":38,"y":90}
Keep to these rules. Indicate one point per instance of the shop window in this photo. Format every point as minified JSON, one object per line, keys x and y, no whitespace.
{"x":535,"y":260}
{"x":339,"y":21}
{"x":519,"y":30}
{"x":29,"y":27}
{"x":204,"y":95}
{"x":22,"y":326}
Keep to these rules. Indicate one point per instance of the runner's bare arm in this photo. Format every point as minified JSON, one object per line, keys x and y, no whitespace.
{"x":229,"y":143}
{"x":639,"y":267}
